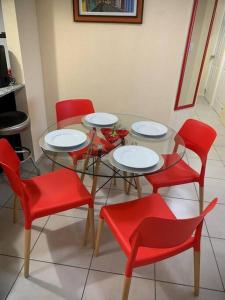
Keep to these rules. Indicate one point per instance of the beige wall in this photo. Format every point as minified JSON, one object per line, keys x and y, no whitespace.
{"x":122,"y":67}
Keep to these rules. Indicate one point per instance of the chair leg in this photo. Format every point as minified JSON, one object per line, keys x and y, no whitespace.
{"x":87,"y":227}
{"x":27,"y":238}
{"x":201,"y":198}
{"x":99,"y":233}
{"x":15,"y":209}
{"x":126,"y":287}
{"x":196,"y":271}
{"x":92,"y":225}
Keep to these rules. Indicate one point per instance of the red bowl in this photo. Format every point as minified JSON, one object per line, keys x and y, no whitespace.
{"x":106,"y":131}
{"x":122,"y":132}
{"x":112,"y":139}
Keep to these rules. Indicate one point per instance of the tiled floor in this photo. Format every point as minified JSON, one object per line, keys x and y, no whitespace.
{"x":61,"y":268}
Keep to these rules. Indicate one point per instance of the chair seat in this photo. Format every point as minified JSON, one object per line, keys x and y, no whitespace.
{"x":180,"y":173}
{"x":54,"y":192}
{"x":124,"y":218}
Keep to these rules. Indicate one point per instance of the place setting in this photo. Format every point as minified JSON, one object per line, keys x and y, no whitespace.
{"x":100,"y":120}
{"x":150,"y":129}
{"x":65,"y":140}
{"x":136,"y":159}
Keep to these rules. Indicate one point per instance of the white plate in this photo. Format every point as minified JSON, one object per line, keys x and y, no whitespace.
{"x":136,"y":157}
{"x":65,"y":138}
{"x":101,"y":119}
{"x":138,"y":171}
{"x":149,"y":128}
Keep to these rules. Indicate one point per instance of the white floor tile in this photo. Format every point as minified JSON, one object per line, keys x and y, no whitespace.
{"x":61,"y":242}
{"x":5,"y":191}
{"x":9,"y":270}
{"x":219,"y":248}
{"x":211,"y":155}
{"x":179,"y":269}
{"x":185,"y":209}
{"x":214,"y":168}
{"x":220,"y":141}
{"x":221,"y":152}
{"x":12,"y":237}
{"x":106,"y":286}
{"x":49,"y":281}
{"x":214,"y":188}
{"x":112,"y":259}
{"x":184,"y":191}
{"x":118,"y":196}
{"x":215,"y":222}
{"x":167,"y":291}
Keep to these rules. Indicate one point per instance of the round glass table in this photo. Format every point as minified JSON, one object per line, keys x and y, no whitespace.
{"x":94,"y":160}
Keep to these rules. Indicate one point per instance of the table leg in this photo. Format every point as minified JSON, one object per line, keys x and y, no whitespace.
{"x":125,"y":182}
{"x":114,"y":178}
{"x":137,"y":180}
{"x":129,"y":185}
{"x":86,"y":161}
{"x":95,"y":177}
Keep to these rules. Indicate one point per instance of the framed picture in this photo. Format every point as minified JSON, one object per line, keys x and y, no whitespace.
{"x":112,"y":11}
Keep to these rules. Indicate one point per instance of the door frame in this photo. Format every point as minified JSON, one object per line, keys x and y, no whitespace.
{"x":187,"y":47}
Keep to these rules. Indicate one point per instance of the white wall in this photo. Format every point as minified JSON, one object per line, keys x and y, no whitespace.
{"x":3,"y":41}
{"x":122,"y":67}
{"x":23,"y":42}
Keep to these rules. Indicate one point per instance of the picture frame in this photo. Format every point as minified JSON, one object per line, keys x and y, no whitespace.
{"x":108,"y":11}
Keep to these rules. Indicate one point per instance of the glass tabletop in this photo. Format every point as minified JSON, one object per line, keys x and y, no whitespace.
{"x":169,"y":147}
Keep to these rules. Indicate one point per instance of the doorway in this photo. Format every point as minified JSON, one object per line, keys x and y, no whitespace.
{"x":212,"y":86}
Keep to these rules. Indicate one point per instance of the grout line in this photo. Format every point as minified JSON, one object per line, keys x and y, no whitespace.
{"x":89,"y":269}
{"x":155,"y":280}
{"x":217,"y":264}
{"x":14,"y":282}
{"x":87,"y":275}
{"x":188,"y":285}
{"x":23,"y":258}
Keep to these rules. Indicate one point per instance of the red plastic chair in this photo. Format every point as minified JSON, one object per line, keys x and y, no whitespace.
{"x":148,"y":232}
{"x":78,"y":107}
{"x":43,"y":195}
{"x":197,"y":137}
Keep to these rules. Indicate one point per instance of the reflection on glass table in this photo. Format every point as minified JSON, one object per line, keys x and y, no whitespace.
{"x":122,"y":134}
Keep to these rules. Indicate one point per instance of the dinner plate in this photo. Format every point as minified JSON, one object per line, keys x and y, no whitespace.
{"x":149,"y":128}
{"x":64,"y":138}
{"x":153,"y":169}
{"x":135,"y":157}
{"x":101,"y":119}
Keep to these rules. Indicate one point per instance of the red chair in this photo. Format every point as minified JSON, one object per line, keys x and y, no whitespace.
{"x":78,"y":107}
{"x":197,"y":137}
{"x":148,"y":232}
{"x":43,"y":195}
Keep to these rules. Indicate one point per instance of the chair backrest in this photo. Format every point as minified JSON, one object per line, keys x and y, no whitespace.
{"x":73,"y":107}
{"x":197,"y":137}
{"x":10,"y":163}
{"x":156,"y":232}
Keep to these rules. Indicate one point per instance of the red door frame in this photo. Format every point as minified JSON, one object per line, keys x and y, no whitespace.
{"x":188,"y":41}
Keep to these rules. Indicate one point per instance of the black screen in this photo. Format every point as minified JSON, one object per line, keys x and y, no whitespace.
{"x":4,"y":79}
